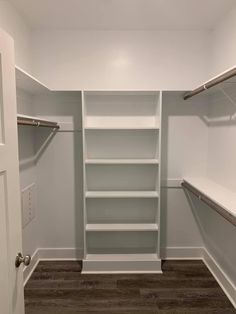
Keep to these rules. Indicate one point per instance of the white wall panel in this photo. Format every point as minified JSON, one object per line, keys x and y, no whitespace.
{"x":223,"y":44}
{"x":218,"y":235}
{"x":59,"y":173}
{"x":185,"y":136}
{"x":26,"y":140}
{"x":221,"y":164}
{"x":14,"y":24}
{"x":179,"y":225}
{"x":184,"y":152}
{"x":121,"y":60}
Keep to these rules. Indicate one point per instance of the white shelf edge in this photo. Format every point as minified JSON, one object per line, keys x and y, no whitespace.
{"x":120,"y":128}
{"x":222,"y":196}
{"x":121,"y":227}
{"x":121,"y":194}
{"x":118,"y":92}
{"x":28,"y":82}
{"x":122,"y":257}
{"x":121,"y":161}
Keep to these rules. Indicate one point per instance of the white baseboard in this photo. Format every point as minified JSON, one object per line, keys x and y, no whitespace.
{"x":53,"y":254}
{"x":193,"y":253}
{"x":223,"y":280}
{"x":27,"y":271}
{"x":181,"y":253}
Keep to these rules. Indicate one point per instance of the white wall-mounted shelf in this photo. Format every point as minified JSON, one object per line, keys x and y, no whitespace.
{"x":28,"y":83}
{"x":122,"y":194}
{"x":224,"y":199}
{"x":120,"y":128}
{"x":122,"y":122}
{"x":122,"y":141}
{"x":122,"y":161}
{"x":121,"y":227}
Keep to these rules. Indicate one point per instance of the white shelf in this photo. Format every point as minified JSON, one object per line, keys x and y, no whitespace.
{"x":217,"y":193}
{"x":122,"y":122}
{"x":28,"y":83}
{"x":120,"y":128}
{"x":121,"y":263}
{"x":122,"y":257}
{"x":121,"y":194}
{"x":121,"y":227}
{"x":122,"y":161}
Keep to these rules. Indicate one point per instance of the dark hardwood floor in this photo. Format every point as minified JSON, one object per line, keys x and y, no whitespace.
{"x":184,"y":287}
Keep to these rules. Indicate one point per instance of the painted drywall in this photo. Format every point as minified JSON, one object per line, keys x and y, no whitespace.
{"x":54,"y":162}
{"x":218,"y":236}
{"x":180,"y":233}
{"x":114,"y":61}
{"x":59,"y":172}
{"x":197,"y":141}
{"x":26,"y":143}
{"x":223,"y":44}
{"x":117,"y":60}
{"x":58,"y":159}
{"x":184,"y":123}
{"x":121,"y":60}
{"x":221,"y":167}
{"x":14,"y":24}
{"x":185,"y":136}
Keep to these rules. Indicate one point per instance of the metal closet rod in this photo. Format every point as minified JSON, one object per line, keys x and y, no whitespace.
{"x":37,"y":123}
{"x":219,"y":79}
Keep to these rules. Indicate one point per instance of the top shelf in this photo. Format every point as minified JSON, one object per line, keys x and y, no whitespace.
{"x":119,"y":110}
{"x":28,"y":83}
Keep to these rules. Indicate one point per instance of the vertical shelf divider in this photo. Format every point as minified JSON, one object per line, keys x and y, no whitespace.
{"x":84,"y":175}
{"x":159,"y":176}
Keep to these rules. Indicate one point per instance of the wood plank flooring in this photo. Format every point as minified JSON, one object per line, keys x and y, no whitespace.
{"x":184,"y":287}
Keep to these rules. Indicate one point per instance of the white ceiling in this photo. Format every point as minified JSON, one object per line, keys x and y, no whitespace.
{"x":124,"y":14}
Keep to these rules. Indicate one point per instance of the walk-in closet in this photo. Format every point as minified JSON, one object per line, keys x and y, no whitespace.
{"x":117,"y":157}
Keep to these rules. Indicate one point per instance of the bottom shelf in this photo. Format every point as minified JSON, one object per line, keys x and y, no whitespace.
{"x":122,"y":227}
{"x":121,"y":194}
{"x":121,"y":263}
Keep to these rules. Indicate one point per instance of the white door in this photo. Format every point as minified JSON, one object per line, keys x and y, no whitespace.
{"x":11,"y":278}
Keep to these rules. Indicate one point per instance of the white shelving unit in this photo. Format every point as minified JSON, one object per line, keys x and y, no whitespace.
{"x":121,"y":172}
